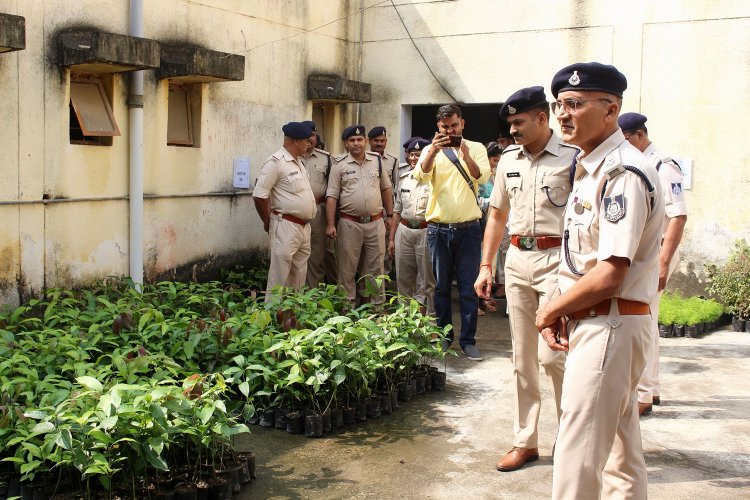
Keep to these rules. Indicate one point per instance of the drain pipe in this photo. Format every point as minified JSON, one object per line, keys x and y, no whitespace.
{"x":135,"y":107}
{"x":361,"y":35}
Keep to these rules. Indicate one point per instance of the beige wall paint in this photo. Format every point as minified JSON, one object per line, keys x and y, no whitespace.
{"x":686,"y":62}
{"x":73,"y":243}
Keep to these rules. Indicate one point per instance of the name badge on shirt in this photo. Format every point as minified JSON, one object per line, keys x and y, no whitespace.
{"x":513,"y":174}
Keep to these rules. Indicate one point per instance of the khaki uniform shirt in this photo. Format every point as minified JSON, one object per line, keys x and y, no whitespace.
{"x":536,"y":188}
{"x":411,"y":198}
{"x":452,"y":200}
{"x":358,"y":187}
{"x":317,"y":167}
{"x":285,"y":181}
{"x":620,"y":224}
{"x":671,"y":179}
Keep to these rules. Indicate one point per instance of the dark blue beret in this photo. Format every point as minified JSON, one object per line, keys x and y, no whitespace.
{"x":417,"y":144}
{"x":353,"y":130}
{"x":631,"y":121}
{"x":311,"y":124}
{"x":409,"y":141}
{"x":589,"y":76}
{"x":297,"y":130}
{"x":523,"y":100}
{"x":376,"y":131}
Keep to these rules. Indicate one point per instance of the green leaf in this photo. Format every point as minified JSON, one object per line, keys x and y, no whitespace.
{"x":64,"y":439}
{"x":158,"y":414}
{"x":43,"y":428}
{"x":205,"y":414}
{"x":244,"y":388}
{"x":109,"y":422}
{"x":90,"y":383}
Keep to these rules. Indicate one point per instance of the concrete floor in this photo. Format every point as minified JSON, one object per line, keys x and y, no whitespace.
{"x":445,"y":444}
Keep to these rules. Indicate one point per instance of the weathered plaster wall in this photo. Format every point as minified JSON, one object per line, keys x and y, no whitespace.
{"x":70,"y":244}
{"x":687,"y":63}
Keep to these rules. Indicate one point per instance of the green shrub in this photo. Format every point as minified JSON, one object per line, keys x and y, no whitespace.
{"x":730,"y":283}
{"x":688,"y":311}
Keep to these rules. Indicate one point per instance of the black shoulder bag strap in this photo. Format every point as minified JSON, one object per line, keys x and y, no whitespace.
{"x":452,"y":157}
{"x":328,"y":168}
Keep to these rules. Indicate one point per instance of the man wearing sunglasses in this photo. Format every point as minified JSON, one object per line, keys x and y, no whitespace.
{"x":607,"y":279}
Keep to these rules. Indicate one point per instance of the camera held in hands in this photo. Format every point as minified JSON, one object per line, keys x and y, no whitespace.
{"x":455,"y":141}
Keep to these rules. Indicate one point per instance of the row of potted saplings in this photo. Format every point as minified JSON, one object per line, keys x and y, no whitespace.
{"x":313,"y":423}
{"x":689,"y":317}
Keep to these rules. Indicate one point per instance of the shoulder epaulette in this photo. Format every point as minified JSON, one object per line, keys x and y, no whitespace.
{"x":337,"y":158}
{"x":323,"y":151}
{"x":511,"y":148}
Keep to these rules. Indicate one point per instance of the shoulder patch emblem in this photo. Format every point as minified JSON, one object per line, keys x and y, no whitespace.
{"x":676,"y":187}
{"x":614,"y":208}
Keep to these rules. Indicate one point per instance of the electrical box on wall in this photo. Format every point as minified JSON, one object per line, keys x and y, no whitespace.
{"x":242,"y":172}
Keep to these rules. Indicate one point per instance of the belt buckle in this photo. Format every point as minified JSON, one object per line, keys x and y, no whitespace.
{"x":526,"y":242}
{"x":365,"y":219}
{"x":414,"y":224}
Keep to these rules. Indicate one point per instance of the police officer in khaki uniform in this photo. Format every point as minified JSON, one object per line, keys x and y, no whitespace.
{"x":377,"y":137}
{"x":285,"y":203}
{"x":408,"y":236}
{"x":362,"y":189}
{"x":533,"y":177}
{"x":321,"y":266}
{"x":607,"y":278}
{"x":633,"y":126}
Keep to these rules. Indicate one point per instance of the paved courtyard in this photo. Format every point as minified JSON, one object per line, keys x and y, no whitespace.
{"x":445,"y":444}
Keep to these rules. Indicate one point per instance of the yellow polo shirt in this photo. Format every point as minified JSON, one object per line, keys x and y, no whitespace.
{"x":451,"y":199}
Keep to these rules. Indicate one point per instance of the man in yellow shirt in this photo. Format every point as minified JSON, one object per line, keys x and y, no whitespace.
{"x":454,"y":167}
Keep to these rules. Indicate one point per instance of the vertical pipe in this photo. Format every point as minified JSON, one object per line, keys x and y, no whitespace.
{"x":361,"y":35}
{"x":135,"y":107}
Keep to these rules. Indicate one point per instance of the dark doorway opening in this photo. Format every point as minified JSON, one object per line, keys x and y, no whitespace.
{"x":482,"y":121}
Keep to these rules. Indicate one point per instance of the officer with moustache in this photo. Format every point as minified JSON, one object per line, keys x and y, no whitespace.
{"x":362,"y":189}
{"x":533,"y":179}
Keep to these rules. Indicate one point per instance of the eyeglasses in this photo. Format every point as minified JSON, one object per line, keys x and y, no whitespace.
{"x":573,"y":105}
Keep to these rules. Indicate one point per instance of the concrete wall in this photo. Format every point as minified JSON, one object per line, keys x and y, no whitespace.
{"x":687,"y":64}
{"x":72,"y":243}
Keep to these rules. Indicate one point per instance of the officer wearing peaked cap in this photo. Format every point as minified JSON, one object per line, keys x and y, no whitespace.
{"x":362,"y":190}
{"x":321,"y":266}
{"x":408,"y":236}
{"x":633,"y":126}
{"x":607,"y":279}
{"x":532,"y":178}
{"x":377,"y":137}
{"x":285,"y":203}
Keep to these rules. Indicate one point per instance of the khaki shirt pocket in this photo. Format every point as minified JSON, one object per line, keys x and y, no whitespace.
{"x":319,"y":174}
{"x":373,"y":180}
{"x":555,"y":191}
{"x":514,"y":188}
{"x":295,"y":182}
{"x":581,"y":239}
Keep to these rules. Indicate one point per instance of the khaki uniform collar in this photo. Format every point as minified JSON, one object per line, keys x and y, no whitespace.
{"x":593,"y":160}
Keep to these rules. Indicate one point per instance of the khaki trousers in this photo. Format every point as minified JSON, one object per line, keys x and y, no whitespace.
{"x":648,"y":385}
{"x":414,"y":266}
{"x":598,"y":453}
{"x":289,"y":247}
{"x":357,"y":240}
{"x":322,"y":266}
{"x":530,"y":276}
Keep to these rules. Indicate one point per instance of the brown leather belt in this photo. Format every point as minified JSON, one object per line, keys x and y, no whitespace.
{"x":320,"y":200}
{"x":542,"y":242}
{"x":362,"y":220}
{"x":625,"y":306}
{"x":414,"y":224}
{"x":291,"y":218}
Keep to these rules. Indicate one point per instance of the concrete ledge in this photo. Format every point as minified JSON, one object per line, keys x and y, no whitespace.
{"x":94,"y":51}
{"x":12,"y":33}
{"x":190,"y":64}
{"x":338,"y":89}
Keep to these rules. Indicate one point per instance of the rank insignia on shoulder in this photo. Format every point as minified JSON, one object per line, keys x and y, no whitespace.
{"x":676,"y":187}
{"x":614,"y":208}
{"x":611,"y":174}
{"x":513,"y":174}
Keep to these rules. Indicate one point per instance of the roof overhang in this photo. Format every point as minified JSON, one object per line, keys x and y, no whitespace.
{"x":94,"y":51}
{"x":337,"y":89}
{"x":189,"y":64}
